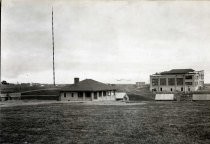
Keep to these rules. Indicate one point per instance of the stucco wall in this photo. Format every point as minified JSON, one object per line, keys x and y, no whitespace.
{"x":69,"y":96}
{"x":108,"y":96}
{"x":175,"y":87}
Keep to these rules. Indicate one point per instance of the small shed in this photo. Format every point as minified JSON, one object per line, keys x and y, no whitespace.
{"x":200,"y":97}
{"x":121,"y":96}
{"x":165,"y":97}
{"x":3,"y":97}
{"x":14,"y":96}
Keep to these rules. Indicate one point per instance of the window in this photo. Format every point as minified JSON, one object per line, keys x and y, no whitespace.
{"x":88,"y":94}
{"x":171,"y":89}
{"x":188,"y":77}
{"x":72,"y":94}
{"x":80,"y":94}
{"x":202,"y":76}
{"x":181,"y":88}
{"x":188,"y":83}
{"x":171,"y":81}
{"x":161,"y":89}
{"x":188,"y":89}
{"x":163,"y":81}
{"x":95,"y":95}
{"x":155,"y":82}
{"x":64,"y":94}
{"x":179,"y":81}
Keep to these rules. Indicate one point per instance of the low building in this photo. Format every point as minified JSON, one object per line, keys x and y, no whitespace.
{"x":201,"y":97}
{"x":3,"y":97}
{"x":164,"y":97}
{"x":177,"y":80}
{"x":14,"y":96}
{"x":25,"y":84}
{"x":140,"y":84}
{"x":87,"y":90}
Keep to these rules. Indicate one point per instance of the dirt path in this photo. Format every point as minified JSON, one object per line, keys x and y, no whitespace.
{"x":38,"y":102}
{"x":22,"y":103}
{"x":113,"y":103}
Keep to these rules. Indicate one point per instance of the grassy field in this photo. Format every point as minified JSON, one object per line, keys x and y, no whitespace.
{"x":153,"y":122}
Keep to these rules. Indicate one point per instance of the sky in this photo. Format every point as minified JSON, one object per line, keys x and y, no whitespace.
{"x":109,"y":41}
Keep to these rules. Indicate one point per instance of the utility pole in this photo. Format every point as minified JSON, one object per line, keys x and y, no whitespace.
{"x":0,"y":53}
{"x":53,"y":50}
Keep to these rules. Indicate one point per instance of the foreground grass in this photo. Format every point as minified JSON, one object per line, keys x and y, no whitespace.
{"x":154,"y":122}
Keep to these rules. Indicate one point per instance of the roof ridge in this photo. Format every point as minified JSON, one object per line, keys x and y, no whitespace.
{"x":90,"y":85}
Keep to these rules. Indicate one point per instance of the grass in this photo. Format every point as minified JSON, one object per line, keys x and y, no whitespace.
{"x":139,"y":97}
{"x":42,"y":92}
{"x":19,"y":88}
{"x":154,"y":122}
{"x":137,"y":94}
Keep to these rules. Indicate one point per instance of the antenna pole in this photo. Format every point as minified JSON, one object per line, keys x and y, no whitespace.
{"x":53,"y":50}
{"x":0,"y":53}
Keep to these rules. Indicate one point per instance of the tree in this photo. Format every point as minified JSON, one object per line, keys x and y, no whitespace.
{"x":4,"y":82}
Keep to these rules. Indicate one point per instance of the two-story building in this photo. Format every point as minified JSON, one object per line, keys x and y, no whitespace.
{"x":183,"y":80}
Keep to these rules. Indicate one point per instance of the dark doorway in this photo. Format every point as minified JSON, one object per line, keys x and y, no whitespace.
{"x":100,"y":93}
{"x":95,"y":95}
{"x":88,"y":95}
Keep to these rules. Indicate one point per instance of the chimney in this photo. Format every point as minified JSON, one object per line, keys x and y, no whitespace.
{"x":76,"y":80}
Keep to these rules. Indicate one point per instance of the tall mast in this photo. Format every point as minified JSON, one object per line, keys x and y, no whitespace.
{"x":53,"y":50}
{"x":0,"y":53}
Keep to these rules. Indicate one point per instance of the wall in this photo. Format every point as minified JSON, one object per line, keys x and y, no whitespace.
{"x":15,"y":95}
{"x":140,"y":84}
{"x":174,"y":87}
{"x":201,"y":97}
{"x":69,"y":96}
{"x":108,"y":96}
{"x":3,"y":97}
{"x":164,"y":97}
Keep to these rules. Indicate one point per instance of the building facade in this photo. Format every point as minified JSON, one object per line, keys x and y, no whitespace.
{"x":177,"y":80}
{"x":87,"y":90}
{"x":140,"y":84}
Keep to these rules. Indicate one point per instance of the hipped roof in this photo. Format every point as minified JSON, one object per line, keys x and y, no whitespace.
{"x":88,"y":85}
{"x":177,"y":71}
